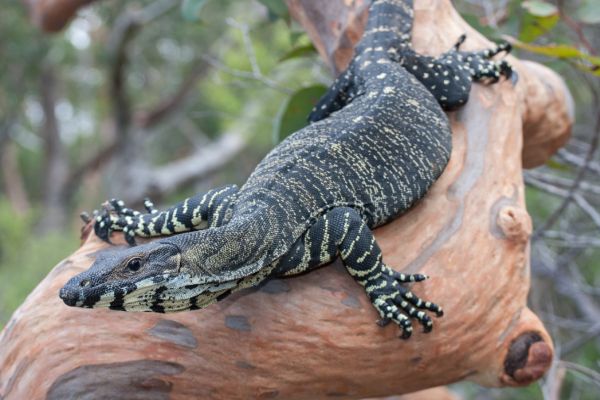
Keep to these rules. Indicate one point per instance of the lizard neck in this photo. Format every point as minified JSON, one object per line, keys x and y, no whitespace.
{"x":389,"y":27}
{"x":224,"y":253}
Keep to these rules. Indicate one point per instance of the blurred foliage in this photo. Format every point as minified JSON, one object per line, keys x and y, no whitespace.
{"x":159,"y":57}
{"x":25,"y":259}
{"x":539,"y":19}
{"x":190,"y":9}
{"x":259,"y":68}
{"x":292,"y":115}
{"x":563,"y":35}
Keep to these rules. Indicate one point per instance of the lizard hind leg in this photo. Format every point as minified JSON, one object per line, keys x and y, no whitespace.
{"x":342,"y":232}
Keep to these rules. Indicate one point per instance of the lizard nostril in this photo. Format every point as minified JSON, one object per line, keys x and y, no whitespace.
{"x":85,"y":283}
{"x":70,"y":297}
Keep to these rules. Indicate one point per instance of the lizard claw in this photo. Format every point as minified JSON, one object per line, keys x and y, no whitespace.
{"x":397,"y":303}
{"x":85,"y":217}
{"x":460,"y":41}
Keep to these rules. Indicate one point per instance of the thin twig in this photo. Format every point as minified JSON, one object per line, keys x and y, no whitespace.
{"x":161,"y":111}
{"x":578,"y":178}
{"x":126,"y":26}
{"x":256,"y":73}
{"x":243,"y":28}
{"x":565,"y":239}
{"x":593,"y":376}
{"x":560,"y":182}
{"x":576,"y":160}
{"x":575,"y":27}
{"x":245,"y":74}
{"x":587,"y":208}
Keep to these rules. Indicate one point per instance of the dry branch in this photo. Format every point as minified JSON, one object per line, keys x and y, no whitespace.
{"x":158,"y":181}
{"x":314,"y":336}
{"x":125,"y":29}
{"x":170,"y":104}
{"x":12,"y":179}
{"x":55,"y":171}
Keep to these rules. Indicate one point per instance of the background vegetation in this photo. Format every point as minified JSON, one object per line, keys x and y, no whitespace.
{"x":131,"y":93}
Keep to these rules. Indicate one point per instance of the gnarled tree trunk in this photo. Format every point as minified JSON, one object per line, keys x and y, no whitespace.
{"x":315,"y":336}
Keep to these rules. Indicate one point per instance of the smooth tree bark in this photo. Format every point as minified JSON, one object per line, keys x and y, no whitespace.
{"x":315,"y":336}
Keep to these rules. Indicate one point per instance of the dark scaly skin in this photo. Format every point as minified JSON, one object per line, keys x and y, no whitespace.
{"x":378,"y":140}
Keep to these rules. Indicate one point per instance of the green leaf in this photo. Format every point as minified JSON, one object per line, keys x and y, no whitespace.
{"x":297,"y":36}
{"x":276,"y":8}
{"x":300,"y":51}
{"x":540,"y":8}
{"x":562,"y":51}
{"x":558,"y":51}
{"x":190,"y":9}
{"x":540,"y":18}
{"x":293,"y":114}
{"x":532,"y":26}
{"x":557,"y":166}
{"x":594,"y":70}
{"x":589,"y":12}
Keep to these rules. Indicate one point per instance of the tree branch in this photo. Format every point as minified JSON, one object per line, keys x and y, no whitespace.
{"x":94,"y":163}
{"x":126,"y":27}
{"x":55,"y":163}
{"x":166,"y":107}
{"x":168,"y":178}
{"x":14,"y":186}
{"x":578,"y":177}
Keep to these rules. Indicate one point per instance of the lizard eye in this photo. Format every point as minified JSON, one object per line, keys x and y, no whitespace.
{"x":134,"y":264}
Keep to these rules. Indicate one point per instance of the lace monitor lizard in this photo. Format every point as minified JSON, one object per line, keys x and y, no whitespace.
{"x":376,"y":142}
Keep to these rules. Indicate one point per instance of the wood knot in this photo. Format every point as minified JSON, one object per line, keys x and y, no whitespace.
{"x":528,"y":359}
{"x":515,"y":223}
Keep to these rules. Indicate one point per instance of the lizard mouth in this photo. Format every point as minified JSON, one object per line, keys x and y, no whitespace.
{"x":98,"y":296}
{"x":165,"y":293}
{"x":70,"y":297}
{"x":177,"y":298}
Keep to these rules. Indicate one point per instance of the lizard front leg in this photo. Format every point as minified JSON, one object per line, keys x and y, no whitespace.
{"x":197,"y":212}
{"x":342,"y":232}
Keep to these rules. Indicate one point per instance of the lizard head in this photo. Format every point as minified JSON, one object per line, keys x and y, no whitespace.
{"x":149,"y":277}
{"x":125,"y":278}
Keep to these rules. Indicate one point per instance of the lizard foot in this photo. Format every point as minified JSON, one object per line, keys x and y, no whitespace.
{"x":449,"y":76}
{"x":398,"y":304}
{"x":484,"y":69}
{"x":115,"y":216}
